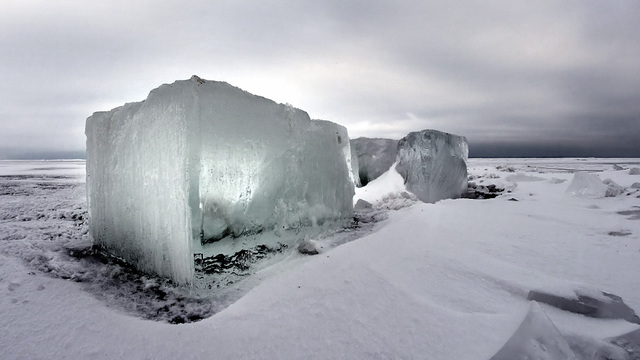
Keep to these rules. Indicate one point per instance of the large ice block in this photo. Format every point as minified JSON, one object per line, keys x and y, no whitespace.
{"x":199,"y":161}
{"x":433,"y":164}
{"x":374,"y":157}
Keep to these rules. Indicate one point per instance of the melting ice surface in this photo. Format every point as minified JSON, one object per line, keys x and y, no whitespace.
{"x":202,"y":167}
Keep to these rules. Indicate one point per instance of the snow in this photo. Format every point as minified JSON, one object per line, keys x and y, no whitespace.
{"x":388,"y":184}
{"x":440,"y":281}
{"x":433,"y":164}
{"x":202,"y":161}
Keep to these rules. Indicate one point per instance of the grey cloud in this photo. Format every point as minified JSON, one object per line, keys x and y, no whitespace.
{"x":506,"y":74}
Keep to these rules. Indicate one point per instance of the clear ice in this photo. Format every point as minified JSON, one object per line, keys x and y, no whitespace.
{"x":201,"y":161}
{"x":374,"y":157}
{"x":433,"y":164}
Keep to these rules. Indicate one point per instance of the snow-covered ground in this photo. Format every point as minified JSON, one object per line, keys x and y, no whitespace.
{"x":429,"y":281}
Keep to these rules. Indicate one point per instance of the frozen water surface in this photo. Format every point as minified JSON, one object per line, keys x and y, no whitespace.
{"x":440,"y":281}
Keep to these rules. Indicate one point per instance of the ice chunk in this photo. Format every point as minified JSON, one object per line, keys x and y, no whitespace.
{"x":613,"y":189}
{"x":199,"y":161}
{"x":433,"y":164}
{"x":375,"y":157}
{"x":599,"y":305}
{"x":586,"y":185}
{"x":536,"y":338}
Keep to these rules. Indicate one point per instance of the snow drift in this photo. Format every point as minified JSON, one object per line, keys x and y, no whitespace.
{"x":199,"y":161}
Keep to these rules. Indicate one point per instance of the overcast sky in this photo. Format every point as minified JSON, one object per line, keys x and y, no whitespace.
{"x":519,"y":78}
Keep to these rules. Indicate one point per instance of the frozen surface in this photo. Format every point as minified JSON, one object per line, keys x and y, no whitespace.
{"x":375,"y":157}
{"x":199,"y":161}
{"x":438,"y":281}
{"x":433,"y":164}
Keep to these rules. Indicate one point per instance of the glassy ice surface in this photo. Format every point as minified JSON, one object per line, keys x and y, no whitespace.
{"x":374,"y":157}
{"x":202,"y":167}
{"x":433,"y":164}
{"x":342,"y":137}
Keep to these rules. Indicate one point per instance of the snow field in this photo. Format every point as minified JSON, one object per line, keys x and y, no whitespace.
{"x":440,"y":281}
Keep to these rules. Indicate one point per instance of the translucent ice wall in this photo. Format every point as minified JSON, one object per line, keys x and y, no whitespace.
{"x":137,"y":171}
{"x":433,"y":164}
{"x":344,"y":143}
{"x":266,"y":166}
{"x":375,"y":157}
{"x":199,"y":161}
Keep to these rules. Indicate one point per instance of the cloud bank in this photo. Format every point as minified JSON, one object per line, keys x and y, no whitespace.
{"x":518,"y":78}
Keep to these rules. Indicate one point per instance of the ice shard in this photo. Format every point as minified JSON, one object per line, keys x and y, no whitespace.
{"x":433,"y":164}
{"x":201,"y":161}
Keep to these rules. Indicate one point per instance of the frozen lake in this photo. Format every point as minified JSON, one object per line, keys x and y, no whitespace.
{"x":436,"y":281}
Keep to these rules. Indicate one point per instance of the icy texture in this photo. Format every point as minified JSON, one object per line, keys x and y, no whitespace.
{"x":355,"y":166}
{"x":200,"y":160}
{"x":613,"y":189}
{"x":137,"y":177}
{"x":433,"y":164}
{"x":343,"y":140}
{"x":586,"y":185}
{"x":375,"y":157}
{"x":536,"y":338}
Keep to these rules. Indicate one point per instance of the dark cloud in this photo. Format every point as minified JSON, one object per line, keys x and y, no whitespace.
{"x":544,"y":78}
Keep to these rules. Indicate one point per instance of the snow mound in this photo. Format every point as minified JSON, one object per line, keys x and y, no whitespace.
{"x":433,"y":164}
{"x":200,"y":161}
{"x":388,"y":184}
